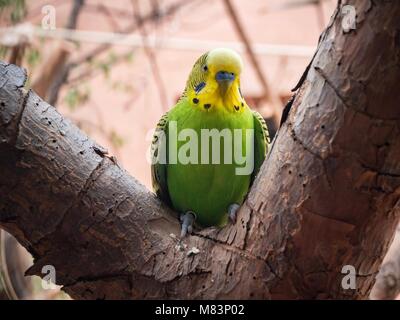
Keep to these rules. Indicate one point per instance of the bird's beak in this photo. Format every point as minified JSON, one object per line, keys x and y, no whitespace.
{"x":224,"y":80}
{"x":223,"y":76}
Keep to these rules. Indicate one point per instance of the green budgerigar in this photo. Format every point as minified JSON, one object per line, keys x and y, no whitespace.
{"x":208,"y":148}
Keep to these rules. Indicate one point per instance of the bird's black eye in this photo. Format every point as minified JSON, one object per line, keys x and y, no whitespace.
{"x":205,"y":68}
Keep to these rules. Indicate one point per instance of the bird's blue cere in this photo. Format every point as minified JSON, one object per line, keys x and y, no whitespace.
{"x":223,"y":76}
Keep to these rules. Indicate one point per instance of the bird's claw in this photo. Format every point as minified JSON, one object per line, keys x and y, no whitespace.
{"x":232,"y":211}
{"x":187,"y":220}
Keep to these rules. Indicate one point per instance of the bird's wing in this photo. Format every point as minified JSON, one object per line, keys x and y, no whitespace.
{"x":261,"y":142}
{"x":159,"y":156}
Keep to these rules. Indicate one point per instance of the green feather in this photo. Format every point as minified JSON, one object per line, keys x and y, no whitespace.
{"x":206,"y":189}
{"x":261,"y":142}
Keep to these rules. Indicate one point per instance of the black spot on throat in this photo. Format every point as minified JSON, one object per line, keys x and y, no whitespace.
{"x":207,"y":106}
{"x":236,"y":108}
{"x":195,"y":100}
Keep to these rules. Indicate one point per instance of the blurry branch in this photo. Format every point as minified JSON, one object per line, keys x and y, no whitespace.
{"x":16,"y":10}
{"x":387,"y":285}
{"x":108,"y":13}
{"x":17,"y":53}
{"x":14,"y":260}
{"x":5,"y":274}
{"x":61,"y":76}
{"x":63,"y":73}
{"x":51,"y":70}
{"x":61,"y":68}
{"x":172,"y":9}
{"x":268,"y":95}
{"x":54,"y":71}
{"x":73,"y":17}
{"x":294,"y":4}
{"x":151,"y":55}
{"x":176,"y":43}
{"x":139,"y":23}
{"x":155,"y":7}
{"x":108,"y":10}
{"x":91,"y":72}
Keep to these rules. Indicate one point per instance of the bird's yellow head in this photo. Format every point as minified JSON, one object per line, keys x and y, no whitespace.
{"x":214,"y":83}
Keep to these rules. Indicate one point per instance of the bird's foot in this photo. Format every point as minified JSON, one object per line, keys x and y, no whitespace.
{"x":187,"y":220}
{"x":232,"y":211}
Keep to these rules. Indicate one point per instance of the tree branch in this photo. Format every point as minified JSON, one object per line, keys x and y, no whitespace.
{"x":62,"y":68}
{"x":327,"y":196}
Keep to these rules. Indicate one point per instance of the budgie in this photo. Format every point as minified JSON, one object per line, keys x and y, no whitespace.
{"x":191,"y":180}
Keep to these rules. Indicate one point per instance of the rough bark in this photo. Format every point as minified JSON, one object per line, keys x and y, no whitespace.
{"x":327,"y":196}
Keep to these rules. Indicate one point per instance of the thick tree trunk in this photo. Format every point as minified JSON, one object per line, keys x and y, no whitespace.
{"x":327,"y":196}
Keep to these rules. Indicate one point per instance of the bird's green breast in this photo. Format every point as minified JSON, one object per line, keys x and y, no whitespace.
{"x":207,"y":189}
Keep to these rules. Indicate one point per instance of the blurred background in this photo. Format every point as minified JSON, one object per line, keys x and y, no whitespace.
{"x":114,"y":67}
